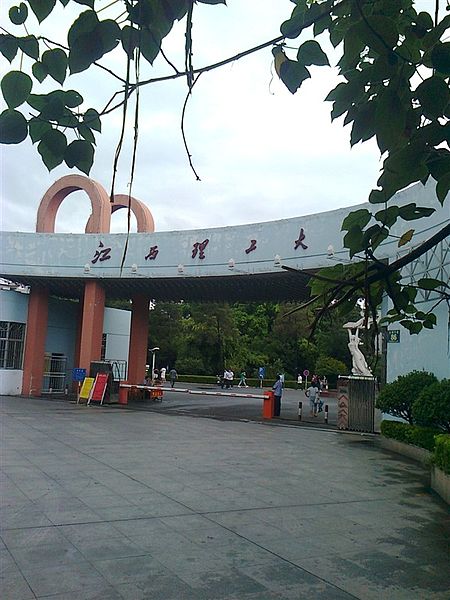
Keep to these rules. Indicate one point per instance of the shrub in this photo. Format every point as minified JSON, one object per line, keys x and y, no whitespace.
{"x":424,"y":437}
{"x":397,"y":398}
{"x":442,"y":453}
{"x":432,"y":407}
{"x":331,"y":368}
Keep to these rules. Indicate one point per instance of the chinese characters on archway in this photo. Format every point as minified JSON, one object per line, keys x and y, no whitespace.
{"x":198,"y":249}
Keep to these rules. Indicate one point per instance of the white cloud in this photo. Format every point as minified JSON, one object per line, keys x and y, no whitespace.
{"x":261,"y":153}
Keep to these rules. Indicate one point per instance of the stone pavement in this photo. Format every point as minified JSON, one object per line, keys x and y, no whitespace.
{"x":104,"y":503}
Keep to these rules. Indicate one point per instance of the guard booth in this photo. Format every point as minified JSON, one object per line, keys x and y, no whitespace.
{"x":356,"y":404}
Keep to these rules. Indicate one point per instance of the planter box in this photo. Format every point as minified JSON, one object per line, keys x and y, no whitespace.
{"x":440,"y":483}
{"x":419,"y":454}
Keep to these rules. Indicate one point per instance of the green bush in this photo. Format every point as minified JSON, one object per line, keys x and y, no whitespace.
{"x":397,"y":398}
{"x":331,"y":368}
{"x":432,"y":407}
{"x":424,"y":437}
{"x":442,"y":453}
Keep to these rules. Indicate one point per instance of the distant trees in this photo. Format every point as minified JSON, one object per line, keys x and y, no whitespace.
{"x":202,"y":339}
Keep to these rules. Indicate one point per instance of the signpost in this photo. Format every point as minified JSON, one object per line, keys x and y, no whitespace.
{"x":79,"y":376}
{"x":306,"y":373}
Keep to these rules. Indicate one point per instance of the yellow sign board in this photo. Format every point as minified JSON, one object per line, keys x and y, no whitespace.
{"x":86,"y":387}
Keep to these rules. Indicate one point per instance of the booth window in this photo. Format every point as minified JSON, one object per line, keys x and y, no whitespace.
{"x":12,"y":337}
{"x":103,"y":350}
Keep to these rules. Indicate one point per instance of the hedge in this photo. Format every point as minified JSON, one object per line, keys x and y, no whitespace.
{"x":442,"y":453}
{"x":251,"y":381}
{"x":424,"y":437}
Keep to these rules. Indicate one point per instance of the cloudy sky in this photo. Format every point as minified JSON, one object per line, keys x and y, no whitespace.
{"x":261,"y":152}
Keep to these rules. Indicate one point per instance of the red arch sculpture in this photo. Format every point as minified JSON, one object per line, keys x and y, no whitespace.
{"x":93,"y":305}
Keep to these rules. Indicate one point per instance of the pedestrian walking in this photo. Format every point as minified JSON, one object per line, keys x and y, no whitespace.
{"x":299,"y":381}
{"x":173,"y":376}
{"x":228,"y":377}
{"x":313,"y":394}
{"x":163,"y":375}
{"x":277,"y":392}
{"x":242,"y":379}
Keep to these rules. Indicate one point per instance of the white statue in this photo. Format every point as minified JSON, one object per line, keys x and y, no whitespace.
{"x":359,"y":364}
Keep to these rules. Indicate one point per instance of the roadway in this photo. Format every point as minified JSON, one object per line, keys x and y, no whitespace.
{"x":216,"y":404}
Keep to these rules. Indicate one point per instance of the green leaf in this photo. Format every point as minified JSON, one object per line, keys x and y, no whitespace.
{"x":310,"y":53}
{"x":91,"y":119}
{"x":387,"y":216}
{"x":440,"y":58}
{"x":390,"y":119}
{"x":358,"y":218}
{"x":109,"y":33}
{"x":38,"y":128}
{"x":149,"y":45}
{"x":13,"y":127}
{"x":80,"y":154}
{"x":406,"y":237}
{"x":293,"y":74}
{"x":8,"y":46}
{"x":89,"y":39}
{"x":428,"y":283}
{"x":72,"y":98}
{"x":29,"y":45}
{"x":434,"y":96}
{"x":85,"y":23}
{"x":89,"y":3}
{"x":52,"y":147}
{"x":353,"y":240}
{"x":16,"y":87}
{"x":412,"y":326}
{"x":55,"y":61}
{"x":411,"y":212}
{"x":18,"y":14}
{"x":130,"y":40}
{"x":443,"y":187}
{"x":424,"y":20}
{"x":41,"y":8}
{"x":39,"y":71}
{"x":86,"y":133}
{"x":381,"y":33}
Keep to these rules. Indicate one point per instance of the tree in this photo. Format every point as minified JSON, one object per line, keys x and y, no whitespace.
{"x":397,"y":398}
{"x":432,"y":407}
{"x":394,"y":62}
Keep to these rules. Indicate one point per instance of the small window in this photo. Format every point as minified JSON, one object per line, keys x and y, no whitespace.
{"x":12,"y":337}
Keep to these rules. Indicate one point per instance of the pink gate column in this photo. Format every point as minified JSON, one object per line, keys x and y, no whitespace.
{"x":92,"y":324}
{"x":137,"y":353}
{"x":34,"y":355}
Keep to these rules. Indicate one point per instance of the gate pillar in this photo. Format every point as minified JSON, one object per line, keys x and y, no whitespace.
{"x":137,"y":353}
{"x":91,"y":324}
{"x":34,"y":354}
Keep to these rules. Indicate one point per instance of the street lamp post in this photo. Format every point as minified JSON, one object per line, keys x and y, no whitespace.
{"x":153,"y":351}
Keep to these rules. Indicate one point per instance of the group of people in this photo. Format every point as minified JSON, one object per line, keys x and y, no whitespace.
{"x":312,"y":392}
{"x":227,"y":379}
{"x":158,"y":377}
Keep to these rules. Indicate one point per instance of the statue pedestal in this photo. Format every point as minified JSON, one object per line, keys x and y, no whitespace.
{"x":356,"y":403}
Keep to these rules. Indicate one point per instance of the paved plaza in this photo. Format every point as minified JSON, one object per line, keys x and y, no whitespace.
{"x":105,"y":503}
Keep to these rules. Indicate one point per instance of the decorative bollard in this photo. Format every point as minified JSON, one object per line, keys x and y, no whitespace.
{"x":300,"y":408}
{"x":123,"y":395}
{"x":326,"y":413}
